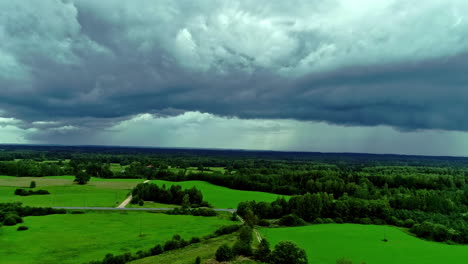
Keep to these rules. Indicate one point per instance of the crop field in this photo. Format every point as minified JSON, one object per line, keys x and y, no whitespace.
{"x":222,"y":197}
{"x":326,"y":243}
{"x":79,"y":238}
{"x":64,"y":192}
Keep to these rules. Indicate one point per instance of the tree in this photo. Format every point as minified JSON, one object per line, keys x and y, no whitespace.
{"x":186,"y":201}
{"x":82,"y":177}
{"x":263,"y":251}
{"x":32,"y":184}
{"x":245,"y":234}
{"x":198,"y":260}
{"x":224,"y":253}
{"x":288,"y":252}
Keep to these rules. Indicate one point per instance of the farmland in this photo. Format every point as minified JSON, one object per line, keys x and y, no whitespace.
{"x":64,"y":192}
{"x":363,"y":243}
{"x":78,"y":238}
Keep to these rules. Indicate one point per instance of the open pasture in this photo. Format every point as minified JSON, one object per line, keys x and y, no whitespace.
{"x":79,"y":238}
{"x":222,"y":197}
{"x":326,"y":243}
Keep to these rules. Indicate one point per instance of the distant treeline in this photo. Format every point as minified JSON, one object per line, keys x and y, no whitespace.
{"x":437,"y":222}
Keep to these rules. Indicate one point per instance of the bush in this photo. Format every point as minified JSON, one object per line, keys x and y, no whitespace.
{"x":32,"y":185}
{"x":339,"y":220}
{"x":242,"y":248}
{"x":291,"y":220}
{"x":12,"y":219}
{"x":328,"y":221}
{"x":365,"y":221}
{"x":21,"y":228}
{"x":195,"y":240}
{"x":224,"y":253}
{"x":288,"y":252}
{"x":318,"y":220}
{"x":171,"y":244}
{"x":198,"y":260}
{"x":224,"y":230}
{"x":156,"y":250}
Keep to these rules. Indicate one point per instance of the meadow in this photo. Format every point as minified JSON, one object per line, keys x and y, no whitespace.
{"x":222,"y":197}
{"x":64,"y":192}
{"x":326,"y":243}
{"x":79,"y":238}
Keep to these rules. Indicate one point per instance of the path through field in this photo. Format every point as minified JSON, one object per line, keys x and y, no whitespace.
{"x":129,"y":198}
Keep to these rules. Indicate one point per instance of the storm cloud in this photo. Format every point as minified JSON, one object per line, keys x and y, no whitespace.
{"x":75,"y":68}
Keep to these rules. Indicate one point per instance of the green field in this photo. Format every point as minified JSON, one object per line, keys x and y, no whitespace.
{"x":64,"y":192}
{"x":78,"y":238}
{"x":326,"y":243}
{"x":222,"y":197}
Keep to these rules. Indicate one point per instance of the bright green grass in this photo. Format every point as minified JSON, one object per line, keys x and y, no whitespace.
{"x":222,"y":197}
{"x":64,"y":192}
{"x":363,"y":243}
{"x":81,"y":238}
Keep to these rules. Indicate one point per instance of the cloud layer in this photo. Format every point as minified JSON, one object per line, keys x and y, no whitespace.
{"x":68,"y":66}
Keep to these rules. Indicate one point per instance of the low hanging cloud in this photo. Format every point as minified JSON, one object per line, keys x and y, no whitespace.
{"x":75,"y":68}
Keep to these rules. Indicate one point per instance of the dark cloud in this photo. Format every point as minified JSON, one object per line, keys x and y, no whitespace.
{"x":85,"y":65}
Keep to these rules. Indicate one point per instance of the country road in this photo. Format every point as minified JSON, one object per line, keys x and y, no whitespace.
{"x":129,"y":198}
{"x":131,"y":209}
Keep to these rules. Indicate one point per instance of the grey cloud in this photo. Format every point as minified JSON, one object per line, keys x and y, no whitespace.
{"x":91,"y":64}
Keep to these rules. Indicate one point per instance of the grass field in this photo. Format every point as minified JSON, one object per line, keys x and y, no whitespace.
{"x":222,"y":197}
{"x":64,"y":192}
{"x":78,"y":238}
{"x":325,"y":244}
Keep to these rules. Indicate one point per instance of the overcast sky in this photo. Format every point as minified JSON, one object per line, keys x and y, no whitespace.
{"x":378,"y":76}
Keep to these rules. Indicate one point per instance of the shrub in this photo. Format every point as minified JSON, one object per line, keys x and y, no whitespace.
{"x":328,"y":221}
{"x":343,"y":261}
{"x":365,"y":221}
{"x":224,"y":253}
{"x":32,"y":185}
{"x":12,"y":219}
{"x":291,"y":220}
{"x":288,"y":252}
{"x":195,"y":240}
{"x":156,"y":250}
{"x":224,"y":230}
{"x":198,"y":260}
{"x":242,"y":248}
{"x":318,"y":220}
{"x":21,"y":228}
{"x":171,"y":244}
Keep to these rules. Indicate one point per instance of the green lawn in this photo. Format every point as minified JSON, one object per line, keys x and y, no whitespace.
{"x":222,"y":197}
{"x":64,"y":192}
{"x":326,"y":243}
{"x":79,"y":238}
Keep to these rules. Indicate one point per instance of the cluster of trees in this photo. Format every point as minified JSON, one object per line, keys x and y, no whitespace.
{"x":175,"y":243}
{"x":284,"y":251}
{"x":324,"y":208}
{"x":12,"y":213}
{"x":24,"y":192}
{"x":174,"y":195}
